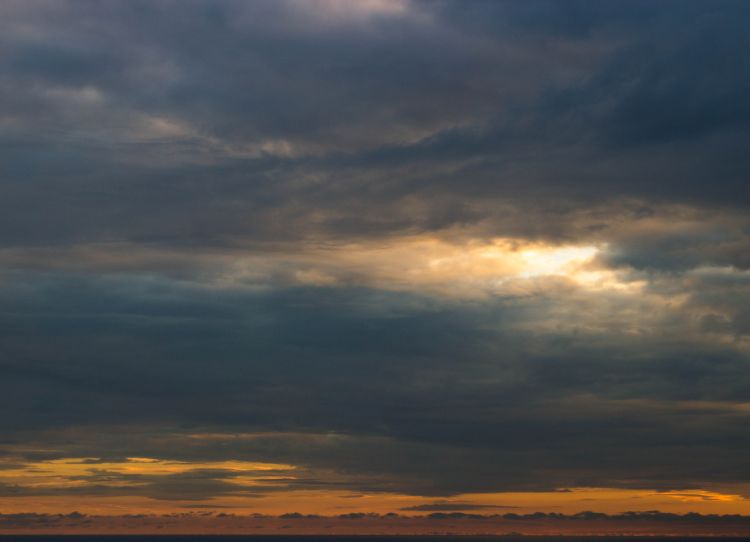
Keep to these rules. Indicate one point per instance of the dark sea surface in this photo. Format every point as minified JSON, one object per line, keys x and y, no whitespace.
{"x":351,"y":538}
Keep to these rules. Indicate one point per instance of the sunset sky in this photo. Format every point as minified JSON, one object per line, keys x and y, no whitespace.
{"x":338,"y":256}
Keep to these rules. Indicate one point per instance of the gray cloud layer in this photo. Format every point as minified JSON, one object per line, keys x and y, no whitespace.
{"x":190,"y":135}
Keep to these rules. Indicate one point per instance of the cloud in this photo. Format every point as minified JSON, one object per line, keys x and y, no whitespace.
{"x":443,"y":506}
{"x":376,"y":241}
{"x":488,"y":384}
{"x":449,"y":124}
{"x":222,"y":523}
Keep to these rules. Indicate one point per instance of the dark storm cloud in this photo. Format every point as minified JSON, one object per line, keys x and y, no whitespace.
{"x":414,"y":386}
{"x":273,"y":120}
{"x":146,"y":146}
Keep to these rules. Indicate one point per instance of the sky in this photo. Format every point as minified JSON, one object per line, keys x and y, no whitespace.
{"x":385,"y":256}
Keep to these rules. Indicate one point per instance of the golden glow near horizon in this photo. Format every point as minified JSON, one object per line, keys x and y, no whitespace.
{"x":84,"y":472}
{"x":87,"y":473}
